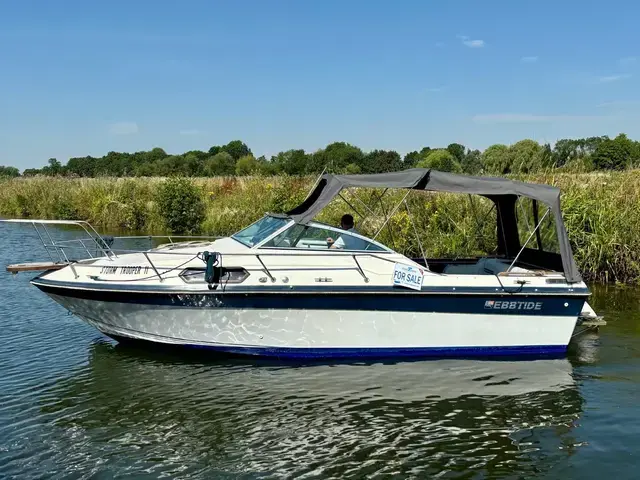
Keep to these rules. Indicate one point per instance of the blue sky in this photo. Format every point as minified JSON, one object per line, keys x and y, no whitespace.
{"x":79,"y":77}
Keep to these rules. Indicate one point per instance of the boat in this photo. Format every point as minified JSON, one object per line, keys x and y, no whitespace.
{"x":290,"y":286}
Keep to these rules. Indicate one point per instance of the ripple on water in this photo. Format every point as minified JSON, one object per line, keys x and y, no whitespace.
{"x":127,"y":411}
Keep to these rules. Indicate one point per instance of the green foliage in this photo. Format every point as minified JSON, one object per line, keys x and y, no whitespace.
{"x":352,"y":168}
{"x":570,"y":150}
{"x":525,"y":156}
{"x":616,"y":154}
{"x":411,"y":159}
{"x":181,"y":206}
{"x":237,"y":149}
{"x":379,"y":161}
{"x":221,"y":163}
{"x":10,"y":172}
{"x":522,"y":157}
{"x":247,"y":165}
{"x":441,"y":160}
{"x":600,"y":211}
{"x":472,"y":163}
{"x":457,"y":151}
{"x":335,"y":157}
{"x":496,"y":159}
{"x":291,"y":162}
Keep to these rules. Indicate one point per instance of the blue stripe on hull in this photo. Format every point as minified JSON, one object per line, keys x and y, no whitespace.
{"x":362,"y":353}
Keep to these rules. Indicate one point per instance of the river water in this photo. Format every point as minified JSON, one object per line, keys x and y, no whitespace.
{"x":74,"y":404}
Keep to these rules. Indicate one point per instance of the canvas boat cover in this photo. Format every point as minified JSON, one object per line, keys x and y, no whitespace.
{"x":502,"y":191}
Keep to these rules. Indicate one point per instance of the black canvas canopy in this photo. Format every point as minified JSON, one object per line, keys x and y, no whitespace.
{"x":501,"y":191}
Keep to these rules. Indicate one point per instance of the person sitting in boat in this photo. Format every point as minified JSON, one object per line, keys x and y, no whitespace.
{"x":347,"y":242}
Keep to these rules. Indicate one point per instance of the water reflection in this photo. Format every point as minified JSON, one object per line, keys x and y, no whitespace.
{"x":422,"y":417}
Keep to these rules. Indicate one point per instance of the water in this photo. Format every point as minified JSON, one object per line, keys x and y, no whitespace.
{"x":73,"y":404}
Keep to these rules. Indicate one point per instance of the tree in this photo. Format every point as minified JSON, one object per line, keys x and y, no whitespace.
{"x":193,"y":163}
{"x":425,"y":151}
{"x":53,"y":168}
{"x":221,"y":164}
{"x":524,"y":156}
{"x":441,"y":160}
{"x":181,"y":205}
{"x":457,"y":151}
{"x":247,"y":165}
{"x":155,"y":154}
{"x":168,"y":166}
{"x":379,"y":161}
{"x":291,"y":162}
{"x":335,"y":157}
{"x":496,"y":159}
{"x":472,"y":162}
{"x":616,"y":154}
{"x":410,"y":159}
{"x":266,"y":167}
{"x":236,"y":149}
{"x":9,"y":172}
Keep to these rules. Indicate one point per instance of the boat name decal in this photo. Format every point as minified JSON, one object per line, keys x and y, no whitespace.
{"x":124,"y":270}
{"x":509,"y":305}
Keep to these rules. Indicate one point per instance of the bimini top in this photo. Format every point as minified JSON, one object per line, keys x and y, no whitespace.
{"x":501,"y":191}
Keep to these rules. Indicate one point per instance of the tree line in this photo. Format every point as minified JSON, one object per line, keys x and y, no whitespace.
{"x":236,"y":158}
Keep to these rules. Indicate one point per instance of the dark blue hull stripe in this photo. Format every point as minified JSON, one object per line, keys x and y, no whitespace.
{"x":324,"y":289}
{"x":467,"y":304}
{"x":404,"y":352}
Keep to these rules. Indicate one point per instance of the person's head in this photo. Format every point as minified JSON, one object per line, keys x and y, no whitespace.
{"x":346,"y":222}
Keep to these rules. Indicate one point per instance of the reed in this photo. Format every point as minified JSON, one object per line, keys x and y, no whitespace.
{"x":601,"y":212}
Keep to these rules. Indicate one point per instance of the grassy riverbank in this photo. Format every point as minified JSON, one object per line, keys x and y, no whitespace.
{"x":601,"y":211}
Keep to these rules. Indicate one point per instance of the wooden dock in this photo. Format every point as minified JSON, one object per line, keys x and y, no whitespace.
{"x":35,"y":267}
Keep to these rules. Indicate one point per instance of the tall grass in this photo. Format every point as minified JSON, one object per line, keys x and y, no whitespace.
{"x":601,"y":212}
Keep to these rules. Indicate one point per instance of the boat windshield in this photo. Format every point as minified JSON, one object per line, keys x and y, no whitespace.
{"x":315,"y":237}
{"x":258,"y":231}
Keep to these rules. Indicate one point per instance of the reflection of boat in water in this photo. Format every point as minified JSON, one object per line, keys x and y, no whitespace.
{"x":279,"y":420}
{"x":406,"y":381}
{"x":280,"y":288}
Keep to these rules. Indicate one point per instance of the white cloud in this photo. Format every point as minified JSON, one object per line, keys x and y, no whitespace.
{"x":627,"y":61}
{"x":436,"y":89}
{"x":440,"y":44}
{"x":613,"y":78}
{"x":123,"y":128}
{"x":471,"y":43}
{"x":532,"y":59}
{"x":192,"y":131}
{"x":474,"y":43}
{"x":529,"y":118}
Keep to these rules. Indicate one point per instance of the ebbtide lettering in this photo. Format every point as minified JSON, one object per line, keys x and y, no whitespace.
{"x":511,"y":305}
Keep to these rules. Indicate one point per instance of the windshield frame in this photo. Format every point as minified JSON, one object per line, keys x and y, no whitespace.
{"x":331,"y":228}
{"x":286,"y":224}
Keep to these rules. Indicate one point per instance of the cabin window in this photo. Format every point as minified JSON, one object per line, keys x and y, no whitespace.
{"x":311,"y":237}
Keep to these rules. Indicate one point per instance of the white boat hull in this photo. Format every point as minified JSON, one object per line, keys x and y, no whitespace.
{"x":305,"y":333}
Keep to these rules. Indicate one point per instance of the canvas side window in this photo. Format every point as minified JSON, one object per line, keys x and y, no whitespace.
{"x":530,"y":213}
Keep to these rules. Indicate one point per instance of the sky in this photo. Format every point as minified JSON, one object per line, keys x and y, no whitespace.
{"x":84,"y":78}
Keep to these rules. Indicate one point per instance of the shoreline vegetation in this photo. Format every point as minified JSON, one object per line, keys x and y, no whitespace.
{"x":601,"y":211}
